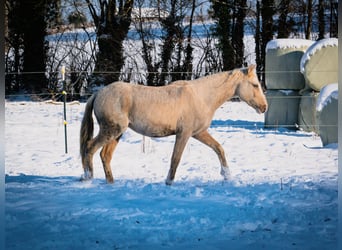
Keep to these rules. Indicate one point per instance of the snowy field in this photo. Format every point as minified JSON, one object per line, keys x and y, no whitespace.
{"x":282,"y":195}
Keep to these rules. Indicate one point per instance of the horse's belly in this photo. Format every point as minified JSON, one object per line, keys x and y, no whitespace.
{"x":156,"y":121}
{"x":153,"y":130}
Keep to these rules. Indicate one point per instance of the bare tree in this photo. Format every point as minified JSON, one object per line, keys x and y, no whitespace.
{"x":309,"y":12}
{"x":145,"y":22}
{"x":283,"y":25}
{"x":166,"y":52}
{"x":333,"y":20}
{"x":112,"y":19}
{"x":257,"y":37}
{"x":187,"y":67}
{"x":267,"y":12}
{"x":172,"y":26}
{"x":229,"y":29}
{"x":27,"y":47}
{"x":238,"y":32}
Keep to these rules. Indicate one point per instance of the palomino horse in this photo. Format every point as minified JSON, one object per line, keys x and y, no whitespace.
{"x":183,"y":108}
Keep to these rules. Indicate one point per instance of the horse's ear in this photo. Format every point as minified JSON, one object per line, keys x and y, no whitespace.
{"x":251,"y":69}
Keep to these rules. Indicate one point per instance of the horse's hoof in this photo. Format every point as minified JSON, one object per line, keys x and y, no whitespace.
{"x":225,"y":172}
{"x":169,"y":182}
{"x":85,"y":178}
{"x":110,"y":181}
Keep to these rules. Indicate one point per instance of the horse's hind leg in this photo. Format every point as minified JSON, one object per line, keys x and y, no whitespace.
{"x":92,"y":147}
{"x":208,"y":140}
{"x":106,"y":156}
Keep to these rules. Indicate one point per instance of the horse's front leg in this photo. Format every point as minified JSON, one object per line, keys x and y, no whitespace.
{"x":181,"y":140}
{"x":208,"y":140}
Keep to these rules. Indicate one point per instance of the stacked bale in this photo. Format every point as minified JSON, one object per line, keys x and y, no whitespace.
{"x":283,"y":81}
{"x":282,"y":109}
{"x":319,"y":66}
{"x":307,"y":111}
{"x":327,"y":118}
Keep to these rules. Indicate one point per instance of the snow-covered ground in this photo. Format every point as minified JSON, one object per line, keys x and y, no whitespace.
{"x":282,"y":195}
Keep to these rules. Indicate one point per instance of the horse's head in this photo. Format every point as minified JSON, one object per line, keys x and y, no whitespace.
{"x":250,"y":90}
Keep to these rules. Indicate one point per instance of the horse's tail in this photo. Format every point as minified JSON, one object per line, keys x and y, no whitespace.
{"x":87,"y":126}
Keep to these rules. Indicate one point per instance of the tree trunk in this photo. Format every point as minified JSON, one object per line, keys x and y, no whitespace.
{"x":333,"y":18}
{"x":283,"y":29}
{"x":223,"y":14}
{"x":321,"y":21}
{"x":309,"y":21}
{"x":238,"y":33}
{"x":171,"y":26}
{"x":112,"y":25}
{"x":187,"y":67}
{"x":34,"y":45}
{"x":267,"y":12}
{"x":258,"y":57}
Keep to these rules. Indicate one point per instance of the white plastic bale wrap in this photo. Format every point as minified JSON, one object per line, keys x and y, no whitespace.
{"x":307,"y":111}
{"x":319,"y":64}
{"x":283,"y":63}
{"x":283,"y":108}
{"x":327,"y":114}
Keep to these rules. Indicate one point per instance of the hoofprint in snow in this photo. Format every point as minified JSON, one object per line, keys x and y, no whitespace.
{"x":282,"y":193}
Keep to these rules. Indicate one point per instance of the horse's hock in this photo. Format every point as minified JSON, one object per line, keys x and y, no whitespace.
{"x":296,"y":72}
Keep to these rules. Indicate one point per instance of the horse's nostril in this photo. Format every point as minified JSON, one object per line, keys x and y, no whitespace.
{"x":263,"y":108}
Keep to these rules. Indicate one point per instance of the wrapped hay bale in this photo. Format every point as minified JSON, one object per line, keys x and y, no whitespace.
{"x":319,"y":63}
{"x":307,"y":111}
{"x":283,"y":63}
{"x":327,"y":116}
{"x":283,"y":108}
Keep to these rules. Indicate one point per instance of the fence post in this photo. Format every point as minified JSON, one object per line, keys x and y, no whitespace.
{"x":64,"y":105}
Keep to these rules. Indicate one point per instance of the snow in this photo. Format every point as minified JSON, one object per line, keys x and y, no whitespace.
{"x":332,"y":42}
{"x":282,"y":193}
{"x":288,"y":43}
{"x":327,"y":93}
{"x":286,"y":92}
{"x":148,"y":13}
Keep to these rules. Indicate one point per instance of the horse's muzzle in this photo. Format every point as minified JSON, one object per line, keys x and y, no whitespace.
{"x":263,"y":108}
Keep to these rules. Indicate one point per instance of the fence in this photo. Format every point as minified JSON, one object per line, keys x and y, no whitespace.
{"x":59,"y":95}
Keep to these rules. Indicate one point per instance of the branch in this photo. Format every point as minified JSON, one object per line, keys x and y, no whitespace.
{"x":92,"y":12}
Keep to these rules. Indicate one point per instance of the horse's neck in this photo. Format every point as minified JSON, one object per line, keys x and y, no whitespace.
{"x":217,"y":88}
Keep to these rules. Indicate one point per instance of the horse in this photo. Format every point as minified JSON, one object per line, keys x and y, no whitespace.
{"x":183,"y":108}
